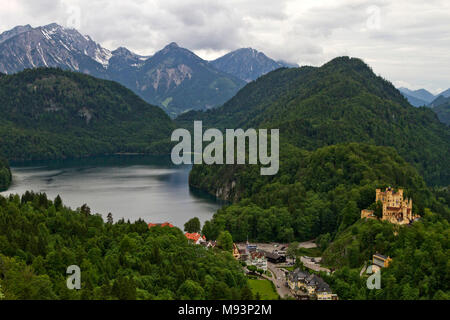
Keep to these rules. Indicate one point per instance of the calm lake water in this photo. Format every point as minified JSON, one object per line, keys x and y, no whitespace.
{"x":129,"y":187}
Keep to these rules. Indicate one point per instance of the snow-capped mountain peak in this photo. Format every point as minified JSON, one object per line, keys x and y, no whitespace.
{"x":51,"y":45}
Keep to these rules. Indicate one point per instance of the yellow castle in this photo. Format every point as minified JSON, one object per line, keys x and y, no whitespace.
{"x":396,"y":209}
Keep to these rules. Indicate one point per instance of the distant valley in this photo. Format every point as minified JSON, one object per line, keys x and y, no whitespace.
{"x":422,"y":97}
{"x":439,"y":103}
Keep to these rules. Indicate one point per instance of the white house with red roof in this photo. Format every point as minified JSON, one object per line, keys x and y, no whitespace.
{"x":195,"y":237}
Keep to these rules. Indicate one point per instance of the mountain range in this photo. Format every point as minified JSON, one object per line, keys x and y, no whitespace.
{"x":173,"y":78}
{"x":248,"y":64}
{"x":421,"y":97}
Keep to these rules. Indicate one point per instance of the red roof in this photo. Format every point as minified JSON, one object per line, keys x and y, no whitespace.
{"x":257,"y":255}
{"x":194,"y":236}
{"x":165,"y":224}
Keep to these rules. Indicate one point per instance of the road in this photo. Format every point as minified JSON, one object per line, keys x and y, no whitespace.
{"x":279,"y":280}
{"x":307,"y":244}
{"x":311,"y":265}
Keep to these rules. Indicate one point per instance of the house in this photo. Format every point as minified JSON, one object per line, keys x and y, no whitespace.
{"x":195,"y":237}
{"x":257,"y":259}
{"x":305,"y":285}
{"x":396,"y":208}
{"x":311,"y":283}
{"x":209,"y":244}
{"x":251,"y":247}
{"x":164,"y":224}
{"x":296,"y":279}
{"x":243,"y":255}
{"x":380,"y":261}
{"x":323,"y":292}
{"x":236,"y":253}
{"x":282,"y":251}
{"x":275,"y":257}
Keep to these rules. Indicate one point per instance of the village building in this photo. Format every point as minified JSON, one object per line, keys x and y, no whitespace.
{"x":257,"y":259}
{"x":323,"y":292}
{"x":396,"y":208}
{"x":273,"y":257}
{"x":236,"y":253}
{"x":296,"y":279}
{"x":243,"y":255}
{"x":380,"y":261}
{"x":209,"y":244}
{"x":304,"y":285}
{"x":195,"y":238}
{"x":251,"y":247}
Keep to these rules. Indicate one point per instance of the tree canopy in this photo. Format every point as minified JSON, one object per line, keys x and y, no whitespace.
{"x":192,"y":225}
{"x":120,"y":260}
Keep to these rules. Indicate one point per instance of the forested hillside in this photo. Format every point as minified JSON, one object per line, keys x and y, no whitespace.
{"x":420,"y":253}
{"x":319,"y":195}
{"x":50,"y":113}
{"x":5,"y":174}
{"x":442,"y":108}
{"x":314,"y":193}
{"x":41,"y":238}
{"x":342,"y":101}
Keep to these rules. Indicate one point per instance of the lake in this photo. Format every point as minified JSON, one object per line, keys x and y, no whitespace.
{"x":128,"y":186}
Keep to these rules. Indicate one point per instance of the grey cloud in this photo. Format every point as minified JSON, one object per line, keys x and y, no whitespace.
{"x":411,"y":44}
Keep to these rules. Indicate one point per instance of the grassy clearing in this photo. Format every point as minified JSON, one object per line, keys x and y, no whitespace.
{"x":310,"y":252}
{"x":265,"y":288}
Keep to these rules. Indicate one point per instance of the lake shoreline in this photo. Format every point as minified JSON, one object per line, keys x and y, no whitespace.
{"x":130,"y":186}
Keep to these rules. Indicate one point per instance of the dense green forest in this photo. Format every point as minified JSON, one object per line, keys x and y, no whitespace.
{"x":342,"y":101}
{"x":5,"y":174}
{"x":442,"y":108}
{"x":420,"y":266}
{"x":41,"y":238}
{"x":50,"y":114}
{"x":314,"y":193}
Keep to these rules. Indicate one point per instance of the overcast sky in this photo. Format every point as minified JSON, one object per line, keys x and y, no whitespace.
{"x":405,"y":41}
